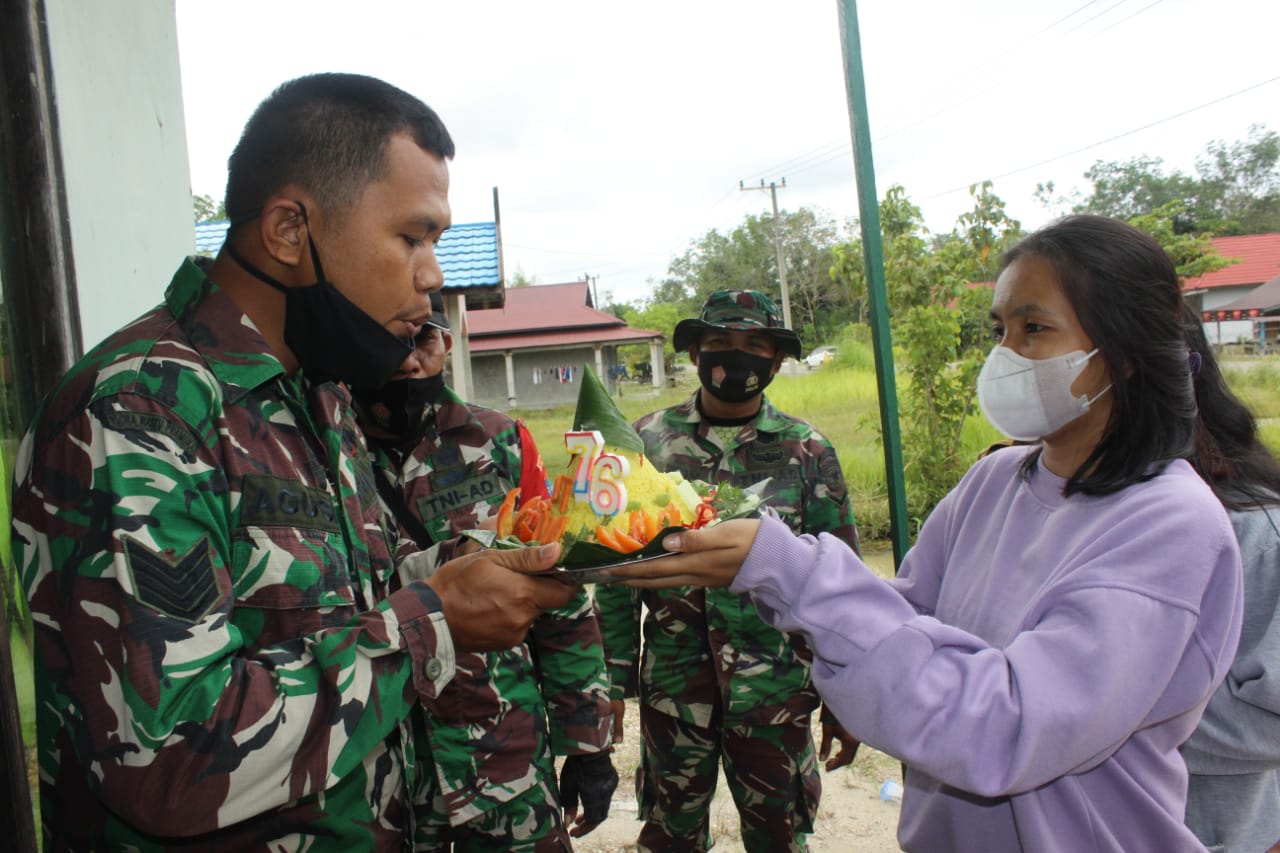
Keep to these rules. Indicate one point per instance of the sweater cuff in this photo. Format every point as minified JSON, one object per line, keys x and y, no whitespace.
{"x":774,"y":561}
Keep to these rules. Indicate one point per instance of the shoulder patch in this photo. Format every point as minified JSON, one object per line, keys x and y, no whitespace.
{"x":179,"y":586}
{"x":136,"y":422}
{"x":831,"y":474}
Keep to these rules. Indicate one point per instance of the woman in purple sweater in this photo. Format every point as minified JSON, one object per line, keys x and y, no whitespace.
{"x":1067,"y":610}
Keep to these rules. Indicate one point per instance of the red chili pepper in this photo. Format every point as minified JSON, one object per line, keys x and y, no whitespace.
{"x":705,"y":515}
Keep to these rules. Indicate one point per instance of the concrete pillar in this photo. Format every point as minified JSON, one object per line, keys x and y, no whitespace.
{"x":511,"y":378}
{"x":658,"y":363}
{"x":460,"y":357}
{"x":599,"y":353}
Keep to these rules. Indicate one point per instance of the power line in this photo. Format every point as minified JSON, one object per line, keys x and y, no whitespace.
{"x":1094,"y":18}
{"x":1105,"y":141}
{"x":841,"y":148}
{"x":1127,"y":17}
{"x":957,"y":83}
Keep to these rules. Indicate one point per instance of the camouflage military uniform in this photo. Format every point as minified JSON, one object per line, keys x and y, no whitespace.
{"x":225,"y":658}
{"x":494,"y":730}
{"x":713,"y":670}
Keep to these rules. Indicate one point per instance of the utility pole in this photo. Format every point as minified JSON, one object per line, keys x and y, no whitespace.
{"x":772,"y":187}
{"x":591,"y":283}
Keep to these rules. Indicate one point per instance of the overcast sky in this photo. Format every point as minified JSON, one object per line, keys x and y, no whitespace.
{"x":618,"y":133}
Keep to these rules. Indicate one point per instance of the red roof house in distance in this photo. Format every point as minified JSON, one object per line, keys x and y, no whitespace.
{"x":1223,"y":297}
{"x":531,"y":351}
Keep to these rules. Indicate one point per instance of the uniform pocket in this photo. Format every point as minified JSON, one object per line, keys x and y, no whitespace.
{"x":283,"y":568}
{"x":289,"y":582}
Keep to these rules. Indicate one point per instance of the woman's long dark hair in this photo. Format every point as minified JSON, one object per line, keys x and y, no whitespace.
{"x":1127,"y":297}
{"x":1229,"y":456}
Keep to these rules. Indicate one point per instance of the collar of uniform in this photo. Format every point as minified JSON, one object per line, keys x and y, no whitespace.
{"x":216,"y":328}
{"x":768,"y":419}
{"x":688,"y":410}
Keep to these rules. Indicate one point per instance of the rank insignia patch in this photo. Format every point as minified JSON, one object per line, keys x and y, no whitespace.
{"x":180,"y":586}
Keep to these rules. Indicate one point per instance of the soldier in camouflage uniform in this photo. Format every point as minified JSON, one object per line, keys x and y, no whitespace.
{"x":226,"y":656}
{"x":716,"y":682}
{"x":445,"y":467}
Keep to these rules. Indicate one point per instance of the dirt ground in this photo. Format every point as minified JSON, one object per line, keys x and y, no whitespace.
{"x":852,"y":818}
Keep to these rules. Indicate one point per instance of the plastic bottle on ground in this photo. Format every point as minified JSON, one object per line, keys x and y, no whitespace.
{"x":891,"y":791}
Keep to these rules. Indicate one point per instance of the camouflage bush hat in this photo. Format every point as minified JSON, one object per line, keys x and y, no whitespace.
{"x":737,"y":309}
{"x":438,"y":319}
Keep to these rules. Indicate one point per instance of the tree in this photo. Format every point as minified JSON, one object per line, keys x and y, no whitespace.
{"x":937,"y":397}
{"x":206,"y":209}
{"x":745,"y":259}
{"x":1240,"y":183}
{"x":818,"y":304}
{"x":654,"y":315}
{"x":1236,"y":189}
{"x":986,"y":231}
{"x":519,"y":279}
{"x":907,"y":268}
{"x":1192,"y":254}
{"x":1123,"y":190}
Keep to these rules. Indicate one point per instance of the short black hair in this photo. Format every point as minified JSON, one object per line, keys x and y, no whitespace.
{"x":1126,"y":294}
{"x":328,"y":134}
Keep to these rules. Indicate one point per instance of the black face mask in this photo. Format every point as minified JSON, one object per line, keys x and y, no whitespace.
{"x":732,"y":375}
{"x":399,"y":406}
{"x":332,"y":338}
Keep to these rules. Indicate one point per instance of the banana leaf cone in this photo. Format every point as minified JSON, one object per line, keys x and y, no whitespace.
{"x":597,"y":411}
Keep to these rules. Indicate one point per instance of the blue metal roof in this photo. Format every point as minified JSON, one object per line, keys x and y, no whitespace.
{"x":468,"y":253}
{"x":211,"y":235}
{"x":469,"y":256}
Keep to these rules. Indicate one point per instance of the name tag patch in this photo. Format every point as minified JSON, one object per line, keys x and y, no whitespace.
{"x":276,"y":502}
{"x":483,"y":488}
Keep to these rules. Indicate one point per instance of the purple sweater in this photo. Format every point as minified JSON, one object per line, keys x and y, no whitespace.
{"x":1037,"y":661}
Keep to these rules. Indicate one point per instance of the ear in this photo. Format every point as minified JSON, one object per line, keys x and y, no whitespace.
{"x":777,"y":363}
{"x":693,"y":354}
{"x":282,"y":231}
{"x":447,"y":337}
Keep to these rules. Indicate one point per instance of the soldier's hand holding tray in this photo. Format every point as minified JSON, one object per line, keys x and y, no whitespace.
{"x":710,"y":556}
{"x":491,"y":598}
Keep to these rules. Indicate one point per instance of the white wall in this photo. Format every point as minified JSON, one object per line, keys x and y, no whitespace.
{"x":122,"y":138}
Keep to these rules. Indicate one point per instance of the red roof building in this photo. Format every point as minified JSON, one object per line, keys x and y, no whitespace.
{"x":531,"y":351}
{"x":1257,"y":259}
{"x":1222,"y":296}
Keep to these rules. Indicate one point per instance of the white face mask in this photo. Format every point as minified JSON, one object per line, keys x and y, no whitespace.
{"x":1028,"y":398}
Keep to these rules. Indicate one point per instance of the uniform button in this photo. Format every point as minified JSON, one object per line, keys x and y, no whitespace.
{"x":433,"y":669}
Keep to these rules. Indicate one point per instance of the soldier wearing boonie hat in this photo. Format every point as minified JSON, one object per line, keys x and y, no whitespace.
{"x":719,"y":684}
{"x":742,"y":310}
